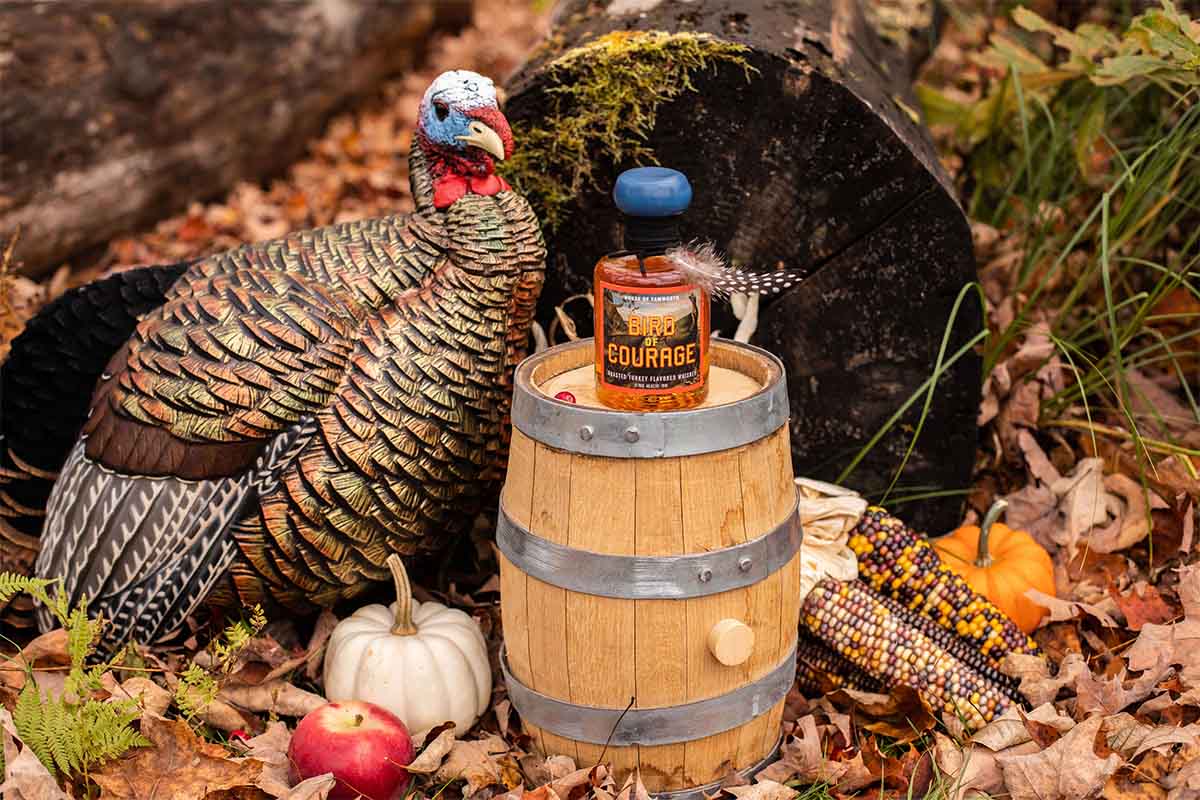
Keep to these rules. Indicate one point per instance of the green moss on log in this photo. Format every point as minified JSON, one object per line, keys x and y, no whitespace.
{"x":602,"y":103}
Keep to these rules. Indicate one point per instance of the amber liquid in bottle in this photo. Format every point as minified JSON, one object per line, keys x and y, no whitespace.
{"x":652,"y":331}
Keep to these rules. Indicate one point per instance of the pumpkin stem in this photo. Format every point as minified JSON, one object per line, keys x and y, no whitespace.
{"x":404,"y":622}
{"x":982,"y":557}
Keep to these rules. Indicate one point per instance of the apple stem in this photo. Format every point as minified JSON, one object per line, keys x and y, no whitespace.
{"x":404,"y":621}
{"x":358,"y":720}
{"x":982,"y":557}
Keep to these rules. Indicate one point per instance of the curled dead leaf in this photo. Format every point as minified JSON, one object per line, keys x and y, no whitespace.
{"x":149,"y":695}
{"x":430,"y":759}
{"x":317,"y":787}
{"x":275,"y":697}
{"x":902,"y":714}
{"x":1069,"y":769}
{"x":763,"y":790}
{"x":481,"y":763}
{"x":177,"y":764}
{"x":47,"y":650}
{"x":271,"y":748}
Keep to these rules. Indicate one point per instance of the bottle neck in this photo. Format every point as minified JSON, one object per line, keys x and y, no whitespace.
{"x":649,"y":236}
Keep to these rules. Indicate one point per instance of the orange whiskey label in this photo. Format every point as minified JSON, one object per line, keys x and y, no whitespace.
{"x":650,"y":339}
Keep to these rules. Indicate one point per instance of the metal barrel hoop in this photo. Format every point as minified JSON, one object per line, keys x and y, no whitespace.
{"x":649,"y":577}
{"x":592,"y":431}
{"x":620,"y":727}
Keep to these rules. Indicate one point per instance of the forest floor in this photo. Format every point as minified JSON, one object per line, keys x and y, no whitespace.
{"x":1074,"y":148}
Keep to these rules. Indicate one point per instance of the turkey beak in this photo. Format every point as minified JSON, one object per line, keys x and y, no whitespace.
{"x":485,"y":139}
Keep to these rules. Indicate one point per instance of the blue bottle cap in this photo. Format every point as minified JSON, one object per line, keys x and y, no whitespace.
{"x":652,"y":192}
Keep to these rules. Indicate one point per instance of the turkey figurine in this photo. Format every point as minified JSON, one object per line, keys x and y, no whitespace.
{"x":290,"y":412}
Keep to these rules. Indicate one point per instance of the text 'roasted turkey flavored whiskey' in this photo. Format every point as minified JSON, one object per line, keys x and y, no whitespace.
{"x":652,"y":324}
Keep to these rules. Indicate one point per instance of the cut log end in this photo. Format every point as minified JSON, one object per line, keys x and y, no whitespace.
{"x":805,"y":154}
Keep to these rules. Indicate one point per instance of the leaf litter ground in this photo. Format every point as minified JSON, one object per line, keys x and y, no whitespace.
{"x":1116,"y":706}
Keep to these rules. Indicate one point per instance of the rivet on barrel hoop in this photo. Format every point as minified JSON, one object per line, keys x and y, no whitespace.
{"x":586,"y":433}
{"x":631,"y":434}
{"x":745,"y":564}
{"x":705,"y":575}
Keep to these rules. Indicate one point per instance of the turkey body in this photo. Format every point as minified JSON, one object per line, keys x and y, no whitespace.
{"x":296,"y":410}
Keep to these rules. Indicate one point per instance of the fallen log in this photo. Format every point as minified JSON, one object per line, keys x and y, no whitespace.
{"x":117,"y":114}
{"x":800,"y":134}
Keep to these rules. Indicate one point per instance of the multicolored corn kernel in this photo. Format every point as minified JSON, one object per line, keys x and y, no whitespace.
{"x":879,"y":637}
{"x":819,"y":669}
{"x":899,"y":563}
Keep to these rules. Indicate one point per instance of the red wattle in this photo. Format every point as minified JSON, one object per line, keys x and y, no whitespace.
{"x":447,"y":190}
{"x":450,"y":188}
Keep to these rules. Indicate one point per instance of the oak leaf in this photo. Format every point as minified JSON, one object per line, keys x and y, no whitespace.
{"x":1069,"y":769}
{"x":177,"y":765}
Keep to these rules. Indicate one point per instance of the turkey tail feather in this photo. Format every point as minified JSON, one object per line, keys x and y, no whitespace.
{"x":148,"y":550}
{"x":47,"y":380}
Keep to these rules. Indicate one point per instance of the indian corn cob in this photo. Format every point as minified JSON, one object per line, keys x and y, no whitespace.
{"x":881,"y":638}
{"x":899,"y":563}
{"x":821,"y":669}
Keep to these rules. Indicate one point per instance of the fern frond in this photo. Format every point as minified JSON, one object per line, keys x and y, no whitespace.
{"x":81,"y":633}
{"x":73,"y":732}
{"x":11,"y":583}
{"x":196,"y":691}
{"x":59,"y":732}
{"x":28,"y":716}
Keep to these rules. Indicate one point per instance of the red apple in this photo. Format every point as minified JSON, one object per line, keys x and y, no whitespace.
{"x":365,"y":747}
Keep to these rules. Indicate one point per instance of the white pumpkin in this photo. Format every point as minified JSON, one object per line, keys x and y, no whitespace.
{"x":424,"y":662}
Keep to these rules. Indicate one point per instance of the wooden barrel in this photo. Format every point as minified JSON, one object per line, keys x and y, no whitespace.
{"x":636,"y":548}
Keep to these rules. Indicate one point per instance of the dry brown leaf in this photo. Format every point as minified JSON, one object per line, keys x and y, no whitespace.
{"x":481,"y":763}
{"x":1178,"y":642}
{"x":317,"y":787}
{"x":275,"y":697}
{"x":1067,"y":770}
{"x":150,"y":696}
{"x":902,"y":715}
{"x":1100,"y":695}
{"x":763,"y":790}
{"x":800,"y":756}
{"x":1132,"y":522}
{"x":1036,"y":460}
{"x":839,"y":720}
{"x":1010,"y":729}
{"x":563,"y":785}
{"x":634,"y":789}
{"x":1142,"y":604}
{"x":1128,"y":784}
{"x":1034,"y":509}
{"x":431,"y":758}
{"x":1062,"y":610}
{"x":1083,"y":502}
{"x":25,"y":777}
{"x":1129,"y":737}
{"x":177,"y":765}
{"x":47,"y":650}
{"x":271,"y":748}
{"x":971,"y":771}
{"x":1033,"y":673}
{"x":1158,"y":410}
{"x":540,"y":770}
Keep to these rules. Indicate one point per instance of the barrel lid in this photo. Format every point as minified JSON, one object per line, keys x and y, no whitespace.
{"x":652,"y":192}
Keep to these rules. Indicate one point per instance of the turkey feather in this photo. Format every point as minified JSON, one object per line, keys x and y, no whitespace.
{"x":137,"y":565}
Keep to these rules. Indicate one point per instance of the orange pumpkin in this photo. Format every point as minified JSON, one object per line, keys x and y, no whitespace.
{"x":1001,"y":564}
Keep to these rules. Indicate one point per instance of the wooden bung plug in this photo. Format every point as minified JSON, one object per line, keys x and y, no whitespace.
{"x":731,"y":642}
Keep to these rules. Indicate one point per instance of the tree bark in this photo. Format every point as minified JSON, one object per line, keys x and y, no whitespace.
{"x":815,"y":162}
{"x":116,"y":114}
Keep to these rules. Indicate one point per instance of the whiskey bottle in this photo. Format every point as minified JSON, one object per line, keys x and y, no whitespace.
{"x":652,"y":324}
